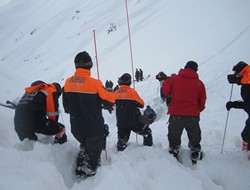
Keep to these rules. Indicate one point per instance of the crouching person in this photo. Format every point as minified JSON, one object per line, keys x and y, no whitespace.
{"x":37,"y":112}
{"x":83,"y":98}
{"x":128,"y":115}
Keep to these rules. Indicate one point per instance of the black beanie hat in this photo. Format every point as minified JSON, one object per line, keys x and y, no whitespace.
{"x":125,"y":79}
{"x":192,"y":65}
{"x":83,"y":60}
{"x":239,"y":67}
{"x":37,"y":82}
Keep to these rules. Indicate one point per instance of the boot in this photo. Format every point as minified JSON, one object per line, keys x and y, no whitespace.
{"x":60,"y":137}
{"x":148,"y":140}
{"x":195,"y":156}
{"x":175,"y":152}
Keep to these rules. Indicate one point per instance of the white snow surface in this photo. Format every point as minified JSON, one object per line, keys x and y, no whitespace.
{"x":39,"y":40}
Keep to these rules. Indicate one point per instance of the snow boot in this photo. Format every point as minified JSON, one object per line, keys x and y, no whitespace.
{"x":195,"y":156}
{"x":60,"y":137}
{"x":148,"y":140}
{"x":175,"y":152}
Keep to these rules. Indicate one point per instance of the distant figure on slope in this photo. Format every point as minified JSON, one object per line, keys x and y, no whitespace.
{"x":188,"y":100}
{"x":140,"y":75}
{"x":128,"y":114}
{"x":83,"y":98}
{"x":242,"y":77}
{"x":37,"y":112}
{"x":137,"y":75}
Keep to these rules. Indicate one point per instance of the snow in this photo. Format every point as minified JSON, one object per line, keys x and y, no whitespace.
{"x":39,"y":40}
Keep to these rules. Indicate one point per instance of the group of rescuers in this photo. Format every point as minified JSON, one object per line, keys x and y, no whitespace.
{"x":84,"y":97}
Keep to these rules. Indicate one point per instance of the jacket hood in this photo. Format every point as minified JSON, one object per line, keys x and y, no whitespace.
{"x":188,"y":73}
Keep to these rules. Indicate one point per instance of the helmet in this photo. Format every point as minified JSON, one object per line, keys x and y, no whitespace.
{"x":125,"y":79}
{"x":83,"y":60}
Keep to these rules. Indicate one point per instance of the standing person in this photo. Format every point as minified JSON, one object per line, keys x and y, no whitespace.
{"x":83,"y":98}
{"x":128,"y":114}
{"x":188,"y":100}
{"x":242,"y":77}
{"x":161,"y":77}
{"x":37,"y":112}
{"x":140,"y":75}
{"x":137,"y":75}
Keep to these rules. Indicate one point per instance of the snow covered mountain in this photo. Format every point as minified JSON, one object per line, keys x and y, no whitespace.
{"x":39,"y":40}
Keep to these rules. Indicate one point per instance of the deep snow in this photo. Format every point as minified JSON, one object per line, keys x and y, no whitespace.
{"x":39,"y":40}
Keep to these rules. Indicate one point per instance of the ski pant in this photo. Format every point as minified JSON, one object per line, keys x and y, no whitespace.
{"x":48,"y":128}
{"x":124,"y":134}
{"x":89,"y":157}
{"x":192,"y":127}
{"x":245,"y":134}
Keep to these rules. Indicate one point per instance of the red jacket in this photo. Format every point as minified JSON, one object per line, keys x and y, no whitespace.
{"x":188,"y":93}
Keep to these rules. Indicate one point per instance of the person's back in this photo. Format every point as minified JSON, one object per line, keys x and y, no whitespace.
{"x":188,"y":97}
{"x":83,"y":98}
{"x":126,"y":106}
{"x":128,"y":114}
{"x":31,"y":109}
{"x":37,"y":112}
{"x":187,"y":94}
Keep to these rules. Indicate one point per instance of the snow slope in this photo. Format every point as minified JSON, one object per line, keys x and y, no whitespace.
{"x":39,"y":40}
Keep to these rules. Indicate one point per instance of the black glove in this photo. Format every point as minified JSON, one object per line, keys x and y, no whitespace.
{"x":235,"y":104}
{"x":234,"y":79}
{"x":109,"y":84}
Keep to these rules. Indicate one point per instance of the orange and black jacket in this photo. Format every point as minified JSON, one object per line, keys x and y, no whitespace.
{"x":127,"y":103}
{"x":38,"y":105}
{"x":83,"y":98}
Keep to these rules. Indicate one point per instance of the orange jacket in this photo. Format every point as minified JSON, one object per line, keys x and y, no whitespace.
{"x":83,"y":98}
{"x":127,"y":103}
{"x":245,"y":73}
{"x":51,"y":101}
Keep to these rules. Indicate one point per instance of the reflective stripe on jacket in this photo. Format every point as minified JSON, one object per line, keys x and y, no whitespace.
{"x":38,"y":104}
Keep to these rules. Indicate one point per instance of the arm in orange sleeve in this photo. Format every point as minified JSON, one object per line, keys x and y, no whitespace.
{"x":138,"y":99}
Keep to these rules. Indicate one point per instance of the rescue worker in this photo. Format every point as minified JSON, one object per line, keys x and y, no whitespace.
{"x":37,"y":112}
{"x":128,"y":114}
{"x":83,"y":98}
{"x":242,"y":77}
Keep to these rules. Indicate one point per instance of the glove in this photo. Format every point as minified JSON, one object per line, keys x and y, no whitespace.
{"x":109,"y":108}
{"x":109,"y":84}
{"x":234,"y":79}
{"x":235,"y":104}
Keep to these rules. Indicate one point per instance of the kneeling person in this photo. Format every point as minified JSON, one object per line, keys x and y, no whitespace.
{"x":128,"y":116}
{"x":37,"y":112}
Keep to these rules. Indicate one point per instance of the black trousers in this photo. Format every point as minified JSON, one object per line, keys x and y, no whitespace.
{"x":92,"y":146}
{"x":48,"y":128}
{"x":245,"y":134}
{"x":191,"y":125}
